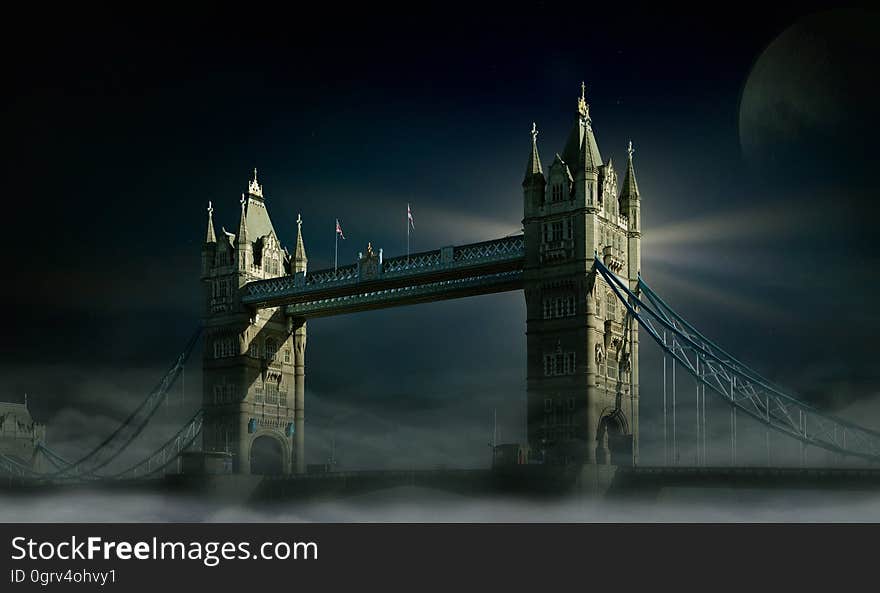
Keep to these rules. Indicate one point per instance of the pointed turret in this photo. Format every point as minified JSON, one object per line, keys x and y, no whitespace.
{"x":211,"y":237}
{"x":242,"y":236}
{"x":243,"y":248}
{"x":300,"y":261}
{"x":581,"y":147}
{"x":533,"y":167}
{"x":590,"y":159}
{"x":534,"y":183}
{"x":629,"y":189}
{"x":209,"y":248}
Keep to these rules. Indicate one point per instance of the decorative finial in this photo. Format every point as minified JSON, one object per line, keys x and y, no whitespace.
{"x":630,"y":150}
{"x":210,"y":208}
{"x":299,"y":222}
{"x":534,"y":132}
{"x":254,"y":188}
{"x":583,"y":108}
{"x":242,"y":201}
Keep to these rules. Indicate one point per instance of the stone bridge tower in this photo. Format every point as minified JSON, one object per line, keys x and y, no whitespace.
{"x":582,"y":345}
{"x":253,"y":371}
{"x":20,"y":435}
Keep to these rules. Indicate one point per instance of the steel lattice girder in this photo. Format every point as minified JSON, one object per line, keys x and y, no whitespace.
{"x":448,"y":263}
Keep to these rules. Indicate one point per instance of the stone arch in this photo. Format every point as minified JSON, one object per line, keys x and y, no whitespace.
{"x":269,"y":453}
{"x":614,"y":439}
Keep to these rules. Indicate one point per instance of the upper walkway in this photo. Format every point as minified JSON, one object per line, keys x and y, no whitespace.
{"x":375,"y":282}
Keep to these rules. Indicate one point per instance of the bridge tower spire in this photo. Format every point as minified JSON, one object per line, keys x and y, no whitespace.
{"x":581,"y":405}
{"x":209,"y":248}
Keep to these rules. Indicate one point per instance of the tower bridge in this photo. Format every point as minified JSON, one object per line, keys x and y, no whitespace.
{"x":577,"y":262}
{"x":582,"y":347}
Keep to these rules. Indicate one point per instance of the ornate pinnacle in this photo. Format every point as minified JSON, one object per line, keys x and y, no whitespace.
{"x":583,"y":108}
{"x":630,"y":150}
{"x":254,"y":188}
{"x":210,"y":237}
{"x":299,"y":222}
{"x":534,"y":132}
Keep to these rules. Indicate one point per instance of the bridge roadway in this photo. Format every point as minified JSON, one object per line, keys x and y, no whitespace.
{"x":524,"y":480}
{"x":537,"y":480}
{"x":375,"y":282}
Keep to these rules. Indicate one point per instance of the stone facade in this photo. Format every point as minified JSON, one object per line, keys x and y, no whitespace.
{"x":582,"y":346}
{"x":20,"y":435}
{"x":253,"y":380}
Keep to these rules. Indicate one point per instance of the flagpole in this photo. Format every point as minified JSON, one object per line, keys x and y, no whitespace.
{"x":407,"y":234}
{"x":336,"y":249}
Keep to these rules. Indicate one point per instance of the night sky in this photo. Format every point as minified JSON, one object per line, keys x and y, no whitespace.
{"x":754,"y":131}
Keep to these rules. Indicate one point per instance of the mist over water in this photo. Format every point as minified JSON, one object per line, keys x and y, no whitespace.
{"x":410,"y":504}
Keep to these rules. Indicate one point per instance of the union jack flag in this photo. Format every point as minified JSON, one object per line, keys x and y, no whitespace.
{"x":409,"y":216}
{"x":339,"y":229}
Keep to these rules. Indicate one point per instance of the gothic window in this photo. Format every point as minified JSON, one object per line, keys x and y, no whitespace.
{"x":544,"y":233}
{"x":559,"y":366}
{"x":287,"y":355}
{"x":557,"y":230}
{"x":271,"y":349}
{"x":568,"y":228}
{"x":569,"y":363}
{"x":571,"y":404}
{"x":218,"y":394}
{"x":272,"y":266}
{"x":556,"y":307}
{"x":611,"y":305}
{"x":258,"y":391}
{"x":557,"y":192}
{"x":271,"y":392}
{"x":254,"y":350}
{"x":548,"y":404}
{"x":224,"y":347}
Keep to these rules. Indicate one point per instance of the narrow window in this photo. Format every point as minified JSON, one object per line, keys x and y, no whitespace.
{"x":271,"y":349}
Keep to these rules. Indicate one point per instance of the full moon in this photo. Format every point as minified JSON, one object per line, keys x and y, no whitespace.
{"x":813,"y":91}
